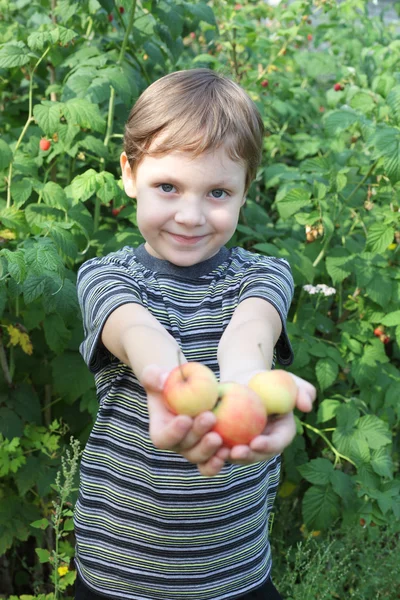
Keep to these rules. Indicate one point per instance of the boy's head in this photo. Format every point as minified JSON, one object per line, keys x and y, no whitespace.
{"x":197,"y":111}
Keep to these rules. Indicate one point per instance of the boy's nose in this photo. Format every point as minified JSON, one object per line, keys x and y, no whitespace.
{"x":190,"y":214}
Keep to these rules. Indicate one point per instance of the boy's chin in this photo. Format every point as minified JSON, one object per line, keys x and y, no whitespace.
{"x":181,"y":258}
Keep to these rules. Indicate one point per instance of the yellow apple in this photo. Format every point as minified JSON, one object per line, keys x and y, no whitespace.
{"x":191,"y":388}
{"x":240,"y":414}
{"x":277,"y":389}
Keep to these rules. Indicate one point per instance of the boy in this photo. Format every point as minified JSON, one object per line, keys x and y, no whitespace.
{"x":165,"y":511}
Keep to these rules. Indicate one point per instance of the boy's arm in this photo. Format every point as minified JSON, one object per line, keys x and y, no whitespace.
{"x":257,"y":323}
{"x":247,"y":344}
{"x":134,"y":336}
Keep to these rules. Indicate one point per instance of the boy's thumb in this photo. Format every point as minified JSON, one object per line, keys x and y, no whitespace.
{"x":153,"y":378}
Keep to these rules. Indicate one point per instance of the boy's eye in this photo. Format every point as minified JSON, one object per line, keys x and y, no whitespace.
{"x":166,"y":187}
{"x":218,"y":193}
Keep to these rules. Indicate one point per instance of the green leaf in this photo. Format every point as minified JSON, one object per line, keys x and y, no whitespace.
{"x":68,"y":525}
{"x":44,"y":555}
{"x":16,"y":263}
{"x":40,"y":524}
{"x":391,"y":319}
{"x":42,"y":257}
{"x":321,"y":506}
{"x":10,"y":423}
{"x":363,"y":102}
{"x":205,"y":58}
{"x":393,"y":100}
{"x":317,"y":471}
{"x":21,"y":191}
{"x":293,"y":201}
{"x":56,"y":334}
{"x":382,"y":463}
{"x":343,"y":486}
{"x":387,"y":146}
{"x":80,"y":111}
{"x":33,"y":287}
{"x":94,"y":145}
{"x":202,"y":11}
{"x":375,"y":431}
{"x":71,"y":388}
{"x":339,"y":121}
{"x":14,"y":54}
{"x":327,"y":410}
{"x":338,"y":267}
{"x":326,"y":371}
{"x":5,"y":155}
{"x":54,"y":195}
{"x":85,"y":185}
{"x":379,"y":237}
{"x":107,"y":187}
{"x":47,"y":115}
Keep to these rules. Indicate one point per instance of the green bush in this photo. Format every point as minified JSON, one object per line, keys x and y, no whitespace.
{"x":326,"y":197}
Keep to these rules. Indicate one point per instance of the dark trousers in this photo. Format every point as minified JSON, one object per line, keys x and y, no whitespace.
{"x":267,"y":592}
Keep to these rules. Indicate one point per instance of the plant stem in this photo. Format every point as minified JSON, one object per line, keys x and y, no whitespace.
{"x":111,"y":108}
{"x":345,"y":203}
{"x":337,"y":454}
{"x":28,"y":122}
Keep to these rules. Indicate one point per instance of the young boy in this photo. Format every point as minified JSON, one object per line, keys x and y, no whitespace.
{"x":165,"y":511}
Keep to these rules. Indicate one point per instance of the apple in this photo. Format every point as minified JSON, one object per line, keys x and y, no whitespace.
{"x":190,"y":388}
{"x":277,"y":389}
{"x":240,"y":413}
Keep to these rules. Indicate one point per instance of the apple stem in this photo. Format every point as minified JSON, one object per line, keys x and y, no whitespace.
{"x":180,"y":366}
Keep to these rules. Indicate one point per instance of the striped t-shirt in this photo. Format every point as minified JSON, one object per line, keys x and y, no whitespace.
{"x":148,"y":525}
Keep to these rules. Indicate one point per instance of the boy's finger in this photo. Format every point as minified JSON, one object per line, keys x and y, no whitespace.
{"x":168,"y":435}
{"x":204,"y":450}
{"x":202,"y":424}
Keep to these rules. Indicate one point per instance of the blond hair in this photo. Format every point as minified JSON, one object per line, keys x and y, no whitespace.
{"x":196,"y":110}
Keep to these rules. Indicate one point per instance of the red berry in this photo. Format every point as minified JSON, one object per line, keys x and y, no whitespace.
{"x":238,"y":6}
{"x":115,"y":211}
{"x":362,"y":522}
{"x":265,"y":83}
{"x":338,"y":87}
{"x":378,"y":331}
{"x":121,"y":10}
{"x":110,"y":18}
{"x":385,"y":339}
{"x":322,"y":109}
{"x":192,"y":35}
{"x":44,"y":144}
{"x":309,"y":37}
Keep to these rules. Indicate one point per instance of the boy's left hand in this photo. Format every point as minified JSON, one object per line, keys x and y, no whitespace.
{"x":279,"y":432}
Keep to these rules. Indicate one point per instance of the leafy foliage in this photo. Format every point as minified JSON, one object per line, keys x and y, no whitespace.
{"x":325,"y":198}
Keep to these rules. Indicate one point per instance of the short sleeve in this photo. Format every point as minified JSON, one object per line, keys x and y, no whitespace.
{"x":271,"y":279}
{"x":103,"y":284}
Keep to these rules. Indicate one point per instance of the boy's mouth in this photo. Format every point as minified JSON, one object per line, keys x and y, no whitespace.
{"x":187,"y":239}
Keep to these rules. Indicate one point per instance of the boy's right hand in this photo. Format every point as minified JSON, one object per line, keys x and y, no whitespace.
{"x":190,"y":437}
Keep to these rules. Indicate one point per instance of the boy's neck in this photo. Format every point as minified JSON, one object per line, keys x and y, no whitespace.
{"x":164,"y":266}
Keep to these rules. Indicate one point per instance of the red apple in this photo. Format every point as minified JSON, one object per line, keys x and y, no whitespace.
{"x":277,"y":389}
{"x":240,"y":414}
{"x":190,"y":389}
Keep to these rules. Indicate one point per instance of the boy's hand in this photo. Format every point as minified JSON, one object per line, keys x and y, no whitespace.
{"x":277,"y":435}
{"x":190,"y":437}
{"x":280,"y":430}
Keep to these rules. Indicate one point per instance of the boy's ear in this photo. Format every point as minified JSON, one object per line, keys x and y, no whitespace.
{"x":127,"y":176}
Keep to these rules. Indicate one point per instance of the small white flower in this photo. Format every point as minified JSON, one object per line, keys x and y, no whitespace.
{"x":321,"y":288}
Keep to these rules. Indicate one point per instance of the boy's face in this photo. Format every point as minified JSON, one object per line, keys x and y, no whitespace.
{"x":187,"y":208}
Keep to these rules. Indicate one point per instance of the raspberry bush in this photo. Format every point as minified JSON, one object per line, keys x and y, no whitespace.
{"x":326,"y":198}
